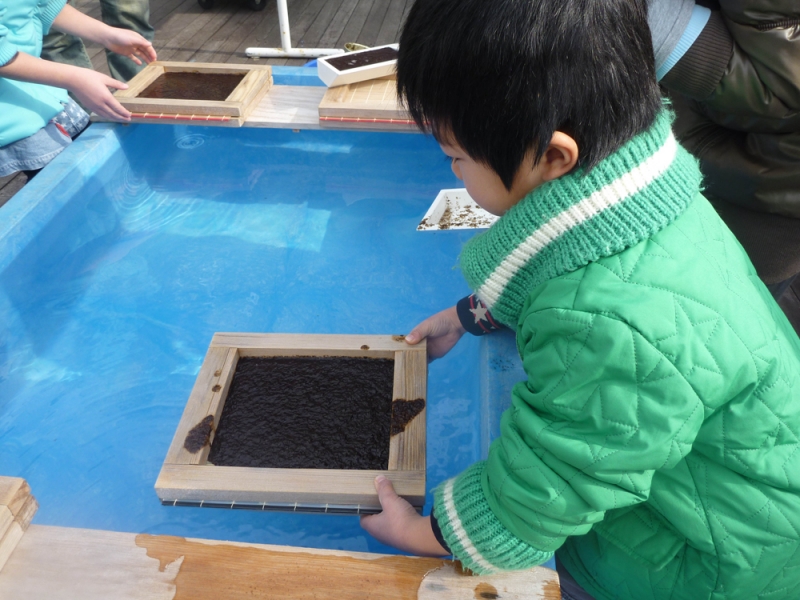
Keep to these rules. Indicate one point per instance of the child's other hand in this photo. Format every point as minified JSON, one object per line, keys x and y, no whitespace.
{"x":442,"y":330}
{"x":91,"y":90}
{"x":399,"y":525}
{"x":131,"y":44}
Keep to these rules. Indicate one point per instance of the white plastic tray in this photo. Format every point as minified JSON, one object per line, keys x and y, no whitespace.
{"x":454,"y":209}
{"x":332,"y":77}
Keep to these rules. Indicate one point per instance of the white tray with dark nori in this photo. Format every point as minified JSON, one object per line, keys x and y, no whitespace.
{"x":350,"y":67}
{"x":455,"y":209}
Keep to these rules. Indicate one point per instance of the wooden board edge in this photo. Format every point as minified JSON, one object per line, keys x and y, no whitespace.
{"x":310,"y":341}
{"x":166,"y":106}
{"x":207,"y":67}
{"x":254,"y":84}
{"x":255,"y":100}
{"x":378,"y":126}
{"x":62,"y":562}
{"x":365,"y":113}
{"x":208,"y":483}
{"x":178,"y":119}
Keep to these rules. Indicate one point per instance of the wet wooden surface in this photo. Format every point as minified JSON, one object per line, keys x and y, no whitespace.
{"x":55,"y":563}
{"x":184,"y":31}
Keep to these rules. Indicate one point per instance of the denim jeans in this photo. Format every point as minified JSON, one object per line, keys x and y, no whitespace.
{"x":127,"y":14}
{"x":570,"y":590}
{"x":32,"y":153}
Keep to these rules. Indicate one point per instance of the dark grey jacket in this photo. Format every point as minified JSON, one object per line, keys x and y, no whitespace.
{"x":736,"y":92}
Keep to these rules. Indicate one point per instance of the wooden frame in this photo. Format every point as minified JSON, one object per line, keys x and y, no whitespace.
{"x":187,"y":479}
{"x":232,"y":111}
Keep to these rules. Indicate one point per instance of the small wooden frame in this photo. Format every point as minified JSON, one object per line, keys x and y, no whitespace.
{"x":369,"y":104}
{"x":186,"y":478}
{"x":231,"y":112}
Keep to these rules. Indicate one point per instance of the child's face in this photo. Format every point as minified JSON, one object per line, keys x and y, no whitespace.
{"x":486,"y":187}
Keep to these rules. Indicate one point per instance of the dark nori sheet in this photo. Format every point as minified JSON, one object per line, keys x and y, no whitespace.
{"x":403,"y":412}
{"x":193,"y":86}
{"x":362,"y":59}
{"x":199,"y":435}
{"x":329,"y":412}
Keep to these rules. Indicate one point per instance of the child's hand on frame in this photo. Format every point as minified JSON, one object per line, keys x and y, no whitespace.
{"x":399,"y":525}
{"x":442,"y":330}
{"x":131,"y":44}
{"x":91,"y":90}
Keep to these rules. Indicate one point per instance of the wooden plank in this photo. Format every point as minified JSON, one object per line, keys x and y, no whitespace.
{"x":196,"y":32}
{"x":208,"y":483}
{"x":407,"y":449}
{"x":389,"y":32}
{"x":316,"y":28}
{"x":222,"y":47}
{"x":332,"y":31}
{"x":373,"y":99}
{"x":55,"y":563}
{"x":218,"y":364}
{"x":352,"y":29}
{"x":372,"y":24}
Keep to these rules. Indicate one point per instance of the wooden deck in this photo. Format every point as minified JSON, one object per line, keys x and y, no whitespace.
{"x":186,"y":32}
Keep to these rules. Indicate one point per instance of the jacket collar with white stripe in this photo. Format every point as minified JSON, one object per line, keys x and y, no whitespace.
{"x":567,"y":223}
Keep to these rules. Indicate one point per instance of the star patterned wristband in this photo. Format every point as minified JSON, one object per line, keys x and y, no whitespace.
{"x":475,"y":317}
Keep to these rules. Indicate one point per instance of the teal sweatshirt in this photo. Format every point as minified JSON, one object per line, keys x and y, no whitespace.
{"x":655,"y":444}
{"x":26,"y":107}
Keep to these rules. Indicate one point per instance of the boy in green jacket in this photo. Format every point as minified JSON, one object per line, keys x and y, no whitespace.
{"x":655,"y":446}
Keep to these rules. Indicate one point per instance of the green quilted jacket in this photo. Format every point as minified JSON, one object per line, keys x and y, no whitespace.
{"x":656,"y":442}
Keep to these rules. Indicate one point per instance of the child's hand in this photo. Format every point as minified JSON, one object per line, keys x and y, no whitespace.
{"x":129,"y":43}
{"x":91,"y":90}
{"x":399,"y":525}
{"x":443,"y":330}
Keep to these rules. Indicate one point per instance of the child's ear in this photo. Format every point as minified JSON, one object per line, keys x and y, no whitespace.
{"x":560,"y":157}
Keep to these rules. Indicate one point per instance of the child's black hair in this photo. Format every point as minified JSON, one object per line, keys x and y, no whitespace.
{"x":499,"y":77}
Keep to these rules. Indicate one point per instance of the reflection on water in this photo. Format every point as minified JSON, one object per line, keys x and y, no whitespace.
{"x":142,"y":210}
{"x":185,"y":231}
